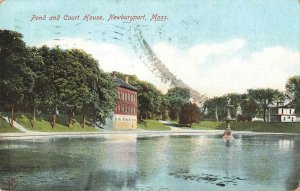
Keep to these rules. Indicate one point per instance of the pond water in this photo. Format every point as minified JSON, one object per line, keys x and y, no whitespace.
{"x":170,"y":162}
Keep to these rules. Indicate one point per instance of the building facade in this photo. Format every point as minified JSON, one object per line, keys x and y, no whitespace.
{"x":281,"y":113}
{"x":125,"y":111}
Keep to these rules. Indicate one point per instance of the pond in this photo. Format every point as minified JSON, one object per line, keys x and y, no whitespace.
{"x":169,"y":162}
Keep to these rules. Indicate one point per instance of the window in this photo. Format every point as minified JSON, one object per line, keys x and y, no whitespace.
{"x":290,"y":111}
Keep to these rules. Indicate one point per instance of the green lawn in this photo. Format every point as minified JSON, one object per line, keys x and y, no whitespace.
{"x":6,"y":128}
{"x":42,"y":123}
{"x":203,"y":125}
{"x":206,"y":125}
{"x":266,"y":127}
{"x":153,"y":125}
{"x":248,"y":126}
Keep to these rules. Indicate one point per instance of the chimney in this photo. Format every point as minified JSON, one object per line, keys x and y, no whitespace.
{"x":126,"y":79}
{"x":114,"y":74}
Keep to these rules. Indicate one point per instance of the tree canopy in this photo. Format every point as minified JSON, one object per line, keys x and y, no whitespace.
{"x":177,"y":97}
{"x":53,"y":79}
{"x":293,"y":90}
{"x":264,"y":97}
{"x":189,"y":114}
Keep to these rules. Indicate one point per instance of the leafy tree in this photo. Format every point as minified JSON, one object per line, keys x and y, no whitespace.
{"x":215,"y":108}
{"x":54,"y":71}
{"x":264,"y":97}
{"x":189,"y":114}
{"x":75,"y":82}
{"x":99,"y":93}
{"x":249,"y":108}
{"x":293,"y":89}
{"x":16,"y":78}
{"x":72,"y":84}
{"x":33,"y":99}
{"x":177,"y":97}
{"x":164,"y":108}
{"x":149,"y":100}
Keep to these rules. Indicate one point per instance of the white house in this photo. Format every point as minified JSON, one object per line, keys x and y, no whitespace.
{"x":281,"y":113}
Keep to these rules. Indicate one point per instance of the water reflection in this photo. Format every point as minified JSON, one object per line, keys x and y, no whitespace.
{"x":129,"y":162}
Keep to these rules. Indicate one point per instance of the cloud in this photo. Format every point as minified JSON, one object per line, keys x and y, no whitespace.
{"x":216,"y":69}
{"x":212,"y":69}
{"x":111,"y":57}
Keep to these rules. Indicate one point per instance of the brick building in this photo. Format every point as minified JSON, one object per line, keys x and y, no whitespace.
{"x":125,"y":113}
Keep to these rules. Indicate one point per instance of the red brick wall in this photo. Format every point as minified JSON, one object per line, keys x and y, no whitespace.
{"x":127,"y":102}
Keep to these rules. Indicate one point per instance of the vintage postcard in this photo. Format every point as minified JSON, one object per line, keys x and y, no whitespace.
{"x":150,"y":95}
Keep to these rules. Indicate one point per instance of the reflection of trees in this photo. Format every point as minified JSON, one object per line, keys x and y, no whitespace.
{"x":150,"y":155}
{"x":292,"y":181}
{"x":106,"y":180}
{"x":181,"y":154}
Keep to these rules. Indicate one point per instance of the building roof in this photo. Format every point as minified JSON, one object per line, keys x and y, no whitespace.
{"x":285,"y":106}
{"x":123,"y":84}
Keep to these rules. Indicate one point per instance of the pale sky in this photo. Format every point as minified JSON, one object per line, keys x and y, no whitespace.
{"x":215,"y":47}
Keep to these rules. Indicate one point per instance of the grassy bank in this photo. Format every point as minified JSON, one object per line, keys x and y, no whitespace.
{"x":42,"y":123}
{"x":266,"y":127}
{"x":206,"y":125}
{"x":152,"y":125}
{"x":6,"y":128}
{"x":251,"y":126}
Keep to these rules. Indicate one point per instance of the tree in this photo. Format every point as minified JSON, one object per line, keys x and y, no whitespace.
{"x":164,"y":108}
{"x":215,"y":108}
{"x":54,"y":73}
{"x":16,"y":78}
{"x":74,"y":82}
{"x":149,"y":100}
{"x":33,"y":99}
{"x":264,"y":97}
{"x":189,"y":114}
{"x":177,"y":97}
{"x":293,"y":90}
{"x":249,"y":108}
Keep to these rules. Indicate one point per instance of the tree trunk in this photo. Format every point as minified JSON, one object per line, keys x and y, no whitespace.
{"x":95,"y":120}
{"x":33,"y":119}
{"x":71,"y":114}
{"x":83,"y":120}
{"x":12,"y":116}
{"x":53,"y":120}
